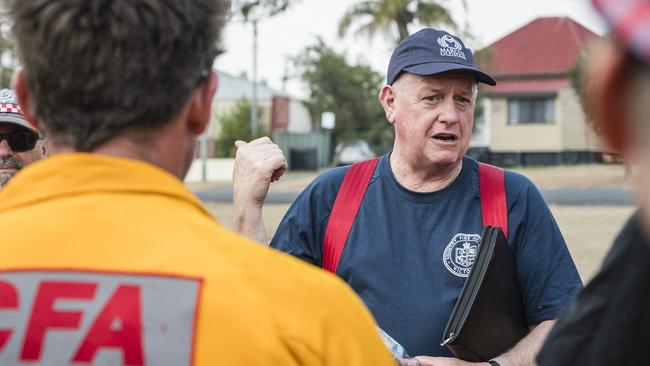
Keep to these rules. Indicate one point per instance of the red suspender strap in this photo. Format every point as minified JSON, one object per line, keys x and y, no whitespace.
{"x":494,"y":209}
{"x":345,"y":210}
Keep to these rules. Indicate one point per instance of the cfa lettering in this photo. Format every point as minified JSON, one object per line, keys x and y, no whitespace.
{"x":118,"y":325}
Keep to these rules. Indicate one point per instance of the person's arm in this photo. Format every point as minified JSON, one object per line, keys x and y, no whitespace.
{"x":257,"y":164}
{"x":522,"y":354}
{"x":526,"y":350}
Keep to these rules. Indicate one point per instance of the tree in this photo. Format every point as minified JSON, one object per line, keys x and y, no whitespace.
{"x":235,"y":125}
{"x":579,"y":83}
{"x":483,"y":59}
{"x":392,"y":17}
{"x":7,"y":53}
{"x":269,"y":8}
{"x":253,"y":11}
{"x":350,"y":91}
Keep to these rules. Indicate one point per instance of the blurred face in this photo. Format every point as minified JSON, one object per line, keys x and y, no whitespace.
{"x":633,"y":120}
{"x":617,"y":91}
{"x":433,"y":117}
{"x":11,"y":161}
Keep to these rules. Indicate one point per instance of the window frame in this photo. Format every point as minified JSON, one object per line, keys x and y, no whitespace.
{"x":548,"y":113}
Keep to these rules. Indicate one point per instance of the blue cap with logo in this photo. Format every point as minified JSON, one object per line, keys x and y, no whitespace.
{"x":431,"y":51}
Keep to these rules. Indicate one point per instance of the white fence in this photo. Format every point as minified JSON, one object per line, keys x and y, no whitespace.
{"x":217,"y":170}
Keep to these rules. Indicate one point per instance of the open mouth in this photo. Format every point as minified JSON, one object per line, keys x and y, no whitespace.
{"x":446,"y":137}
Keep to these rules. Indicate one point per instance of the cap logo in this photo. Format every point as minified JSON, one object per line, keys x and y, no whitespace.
{"x":450,"y":47}
{"x":7,"y":97}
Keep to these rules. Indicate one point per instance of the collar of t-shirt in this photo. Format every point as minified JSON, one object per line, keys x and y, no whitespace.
{"x":456,"y":187}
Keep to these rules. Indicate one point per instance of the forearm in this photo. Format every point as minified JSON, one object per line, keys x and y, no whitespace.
{"x":257,"y":164}
{"x":249,"y":222}
{"x":524,"y":352}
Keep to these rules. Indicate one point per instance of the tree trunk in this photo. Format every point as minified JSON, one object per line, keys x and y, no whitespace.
{"x":403,"y":31}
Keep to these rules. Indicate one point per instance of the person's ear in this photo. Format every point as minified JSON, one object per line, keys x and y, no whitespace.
{"x":387,"y":100}
{"x":609,"y":96}
{"x":19,"y":85}
{"x":201,"y":99}
{"x":45,"y":148}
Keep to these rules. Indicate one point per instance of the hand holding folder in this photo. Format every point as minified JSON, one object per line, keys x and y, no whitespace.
{"x":488,"y":318}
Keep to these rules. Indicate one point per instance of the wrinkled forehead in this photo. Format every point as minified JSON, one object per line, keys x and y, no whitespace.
{"x":458,"y":78}
{"x":454,"y":76}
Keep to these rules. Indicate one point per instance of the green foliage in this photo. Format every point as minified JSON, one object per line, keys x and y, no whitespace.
{"x":260,"y":8}
{"x":388,"y":16}
{"x":350,"y":91}
{"x":7,"y":51}
{"x":483,"y":59}
{"x":6,"y":74}
{"x":236,"y":125}
{"x":577,"y":73}
{"x":579,"y":83}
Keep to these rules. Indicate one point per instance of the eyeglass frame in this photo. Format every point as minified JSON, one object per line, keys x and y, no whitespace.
{"x":7,"y":137}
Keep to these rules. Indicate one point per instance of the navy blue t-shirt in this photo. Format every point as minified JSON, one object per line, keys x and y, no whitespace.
{"x":408,"y":253}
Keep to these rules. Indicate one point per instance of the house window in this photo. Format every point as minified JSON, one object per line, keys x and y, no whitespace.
{"x":531,"y":110}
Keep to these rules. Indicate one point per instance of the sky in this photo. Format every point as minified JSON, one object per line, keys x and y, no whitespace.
{"x":287,"y":34}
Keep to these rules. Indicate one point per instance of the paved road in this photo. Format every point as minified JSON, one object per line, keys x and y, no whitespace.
{"x":564,"y":196}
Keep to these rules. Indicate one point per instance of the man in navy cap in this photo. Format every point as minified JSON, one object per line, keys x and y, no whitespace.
{"x":609,"y":324}
{"x":418,"y":227}
{"x":20,"y":143}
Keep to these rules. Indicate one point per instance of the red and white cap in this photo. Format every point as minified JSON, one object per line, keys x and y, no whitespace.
{"x":10,"y":111}
{"x":629,"y":21}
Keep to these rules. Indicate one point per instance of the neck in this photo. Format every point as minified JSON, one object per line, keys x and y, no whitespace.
{"x":423,"y":179}
{"x":163,"y":148}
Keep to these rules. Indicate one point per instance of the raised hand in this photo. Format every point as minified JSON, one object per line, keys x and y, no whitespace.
{"x":257,"y":164}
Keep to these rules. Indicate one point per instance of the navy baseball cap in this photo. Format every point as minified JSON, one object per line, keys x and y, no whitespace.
{"x":430,"y":51}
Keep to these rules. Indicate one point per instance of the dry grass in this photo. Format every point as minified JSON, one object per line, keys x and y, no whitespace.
{"x":589,"y":232}
{"x":272,"y":215}
{"x":577,"y":176}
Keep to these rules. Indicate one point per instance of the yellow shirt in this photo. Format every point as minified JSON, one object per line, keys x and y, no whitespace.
{"x":112,"y":261}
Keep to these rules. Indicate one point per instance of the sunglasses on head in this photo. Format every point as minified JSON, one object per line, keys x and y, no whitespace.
{"x":20,"y":141}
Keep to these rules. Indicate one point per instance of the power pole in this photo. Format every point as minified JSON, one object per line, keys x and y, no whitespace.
{"x":286,"y":74}
{"x":254,"y":98}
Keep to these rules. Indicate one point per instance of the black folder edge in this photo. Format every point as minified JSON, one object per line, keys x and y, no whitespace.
{"x":463,"y":308}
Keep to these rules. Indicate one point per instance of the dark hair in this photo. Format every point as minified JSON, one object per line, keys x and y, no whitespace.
{"x":100,"y":68}
{"x":636,"y":63}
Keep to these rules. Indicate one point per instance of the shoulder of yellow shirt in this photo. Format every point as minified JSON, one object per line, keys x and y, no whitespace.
{"x":312,"y":307}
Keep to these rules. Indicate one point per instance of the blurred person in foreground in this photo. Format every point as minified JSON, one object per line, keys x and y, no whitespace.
{"x":411,"y":245}
{"x":20,"y":143}
{"x":609,"y":324}
{"x":106,"y":257}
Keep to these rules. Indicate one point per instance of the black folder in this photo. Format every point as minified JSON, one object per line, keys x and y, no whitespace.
{"x":488,"y":318}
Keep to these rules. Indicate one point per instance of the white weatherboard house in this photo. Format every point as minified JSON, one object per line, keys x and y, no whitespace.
{"x":533,"y":115}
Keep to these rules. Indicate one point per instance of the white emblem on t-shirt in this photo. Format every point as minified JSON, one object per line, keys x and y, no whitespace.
{"x":460,"y":253}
